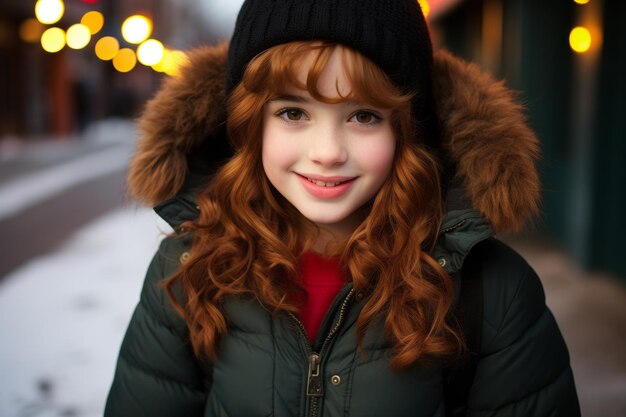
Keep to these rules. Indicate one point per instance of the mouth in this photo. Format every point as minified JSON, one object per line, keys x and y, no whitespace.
{"x":325,"y":184}
{"x":326,"y":181}
{"x":327,"y":188}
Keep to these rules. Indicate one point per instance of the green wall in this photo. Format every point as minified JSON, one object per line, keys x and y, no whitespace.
{"x":577,"y":110}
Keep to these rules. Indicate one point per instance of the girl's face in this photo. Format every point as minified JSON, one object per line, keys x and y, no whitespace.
{"x":328,"y":160}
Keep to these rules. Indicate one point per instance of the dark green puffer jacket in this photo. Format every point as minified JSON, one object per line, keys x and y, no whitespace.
{"x":266,"y":366}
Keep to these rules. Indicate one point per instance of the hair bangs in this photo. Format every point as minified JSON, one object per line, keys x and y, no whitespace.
{"x":278,"y":69}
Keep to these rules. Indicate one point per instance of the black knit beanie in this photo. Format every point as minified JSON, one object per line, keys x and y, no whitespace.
{"x":391,"y":33}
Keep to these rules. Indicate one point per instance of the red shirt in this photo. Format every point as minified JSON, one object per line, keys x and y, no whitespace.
{"x":321,"y":280}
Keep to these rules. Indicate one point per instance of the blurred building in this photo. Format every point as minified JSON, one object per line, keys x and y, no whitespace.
{"x":574,"y":101}
{"x":56,"y":94}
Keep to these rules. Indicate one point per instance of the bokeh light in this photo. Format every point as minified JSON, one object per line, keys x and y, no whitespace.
{"x":49,"y":11}
{"x":125,"y":60}
{"x":107,"y":47}
{"x":581,"y":1}
{"x":171,"y":62}
{"x":425,"y":7}
{"x":158,"y":67}
{"x":53,"y":39}
{"x":580,"y":39}
{"x":171,"y":66}
{"x":150,"y":52}
{"x":136,"y":29}
{"x":93,"y":20}
{"x":78,"y":36}
{"x":31,"y":30}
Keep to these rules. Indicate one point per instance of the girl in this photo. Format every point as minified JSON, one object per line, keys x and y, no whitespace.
{"x":320,"y":247}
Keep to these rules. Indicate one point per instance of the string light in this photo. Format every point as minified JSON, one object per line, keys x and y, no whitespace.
{"x":177,"y":59}
{"x":425,"y":7}
{"x":93,"y":20}
{"x":31,"y":30}
{"x":150,"y":52}
{"x":49,"y":11}
{"x":78,"y":36}
{"x":136,"y":29}
{"x":107,"y":47}
{"x":580,"y":39}
{"x":53,"y":40}
{"x":125,"y":60}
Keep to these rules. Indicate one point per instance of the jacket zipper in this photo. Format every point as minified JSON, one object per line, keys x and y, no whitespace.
{"x":453,"y":227}
{"x":314,"y":385}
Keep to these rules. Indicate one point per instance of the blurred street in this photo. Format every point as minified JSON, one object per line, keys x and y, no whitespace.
{"x":67,"y":284}
{"x":74,"y":251}
{"x":50,"y":188}
{"x":590,"y":309}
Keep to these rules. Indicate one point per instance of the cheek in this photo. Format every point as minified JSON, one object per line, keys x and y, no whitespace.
{"x":377,"y":157}
{"x":276,"y":152}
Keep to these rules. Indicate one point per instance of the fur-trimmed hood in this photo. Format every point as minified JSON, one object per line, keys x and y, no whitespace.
{"x":483,"y":130}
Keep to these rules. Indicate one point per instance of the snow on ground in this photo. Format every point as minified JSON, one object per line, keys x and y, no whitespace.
{"x":63,"y":316}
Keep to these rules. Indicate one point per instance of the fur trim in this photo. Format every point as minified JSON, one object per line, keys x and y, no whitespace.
{"x":489,"y":141}
{"x":483,"y":129}
{"x":187,"y":110}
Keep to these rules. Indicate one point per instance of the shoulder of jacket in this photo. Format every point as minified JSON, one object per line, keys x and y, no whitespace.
{"x":513,"y":296}
{"x":172,"y":251}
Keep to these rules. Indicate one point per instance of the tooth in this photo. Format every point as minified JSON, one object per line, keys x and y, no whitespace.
{"x":322,"y":183}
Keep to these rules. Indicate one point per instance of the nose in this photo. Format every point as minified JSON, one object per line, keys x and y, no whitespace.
{"x":327,"y":146}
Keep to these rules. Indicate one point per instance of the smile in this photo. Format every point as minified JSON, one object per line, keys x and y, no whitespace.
{"x":326,"y":187}
{"x":325,"y":184}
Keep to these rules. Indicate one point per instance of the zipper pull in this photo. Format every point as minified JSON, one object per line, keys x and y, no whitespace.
{"x":314,"y":386}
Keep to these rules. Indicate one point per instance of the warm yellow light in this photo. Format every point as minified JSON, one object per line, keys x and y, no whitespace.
{"x":49,"y":11}
{"x":53,"y":40}
{"x":136,"y":29}
{"x":107,"y":48}
{"x":150,"y":52}
{"x":158,"y":67}
{"x":425,"y":7}
{"x":581,"y":1}
{"x":580,"y":39}
{"x":93,"y":20}
{"x":172,"y":62}
{"x":78,"y":36}
{"x":125,"y":60}
{"x":166,"y":62}
{"x":31,"y":30}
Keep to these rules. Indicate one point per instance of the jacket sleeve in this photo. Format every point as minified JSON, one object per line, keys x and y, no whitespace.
{"x":524,"y":365}
{"x":157,"y":373}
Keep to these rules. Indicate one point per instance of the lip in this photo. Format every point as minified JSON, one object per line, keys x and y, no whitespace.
{"x":326,"y":192}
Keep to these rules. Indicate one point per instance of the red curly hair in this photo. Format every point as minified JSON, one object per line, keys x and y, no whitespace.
{"x":248,"y":239}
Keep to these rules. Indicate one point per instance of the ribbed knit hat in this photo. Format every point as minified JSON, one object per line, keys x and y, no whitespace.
{"x":391,"y":33}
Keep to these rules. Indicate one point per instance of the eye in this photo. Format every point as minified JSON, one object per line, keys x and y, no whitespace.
{"x":291,"y":114}
{"x":365,"y":117}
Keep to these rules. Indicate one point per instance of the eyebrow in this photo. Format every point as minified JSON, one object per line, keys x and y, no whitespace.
{"x":290,"y":97}
{"x":301,"y":99}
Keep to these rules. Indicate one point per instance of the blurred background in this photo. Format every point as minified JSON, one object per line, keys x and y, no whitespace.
{"x":74,"y":75}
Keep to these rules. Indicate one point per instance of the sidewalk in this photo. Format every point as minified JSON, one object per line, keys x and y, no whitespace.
{"x":32,"y":171}
{"x":50,"y":188}
{"x":19,"y":157}
{"x":590,"y":309}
